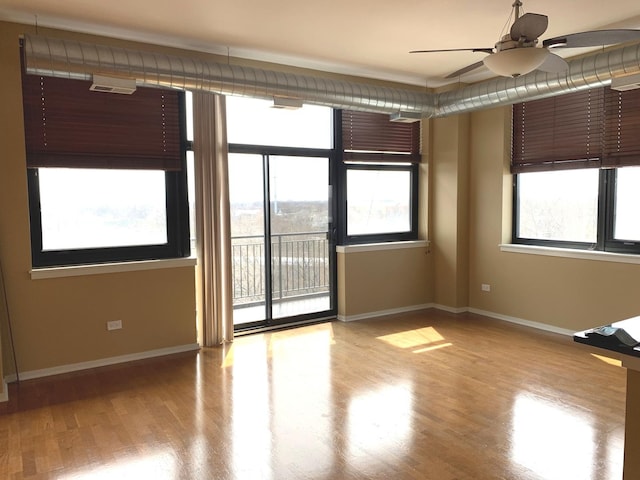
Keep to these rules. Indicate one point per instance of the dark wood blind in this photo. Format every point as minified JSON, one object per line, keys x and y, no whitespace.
{"x":67,"y":125}
{"x":622,"y":128}
{"x":558,"y":133}
{"x":372,"y":137}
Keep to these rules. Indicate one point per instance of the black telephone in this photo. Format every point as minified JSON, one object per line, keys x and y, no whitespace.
{"x":609,"y":336}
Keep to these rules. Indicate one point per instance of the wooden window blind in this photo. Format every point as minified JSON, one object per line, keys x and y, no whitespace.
{"x":67,"y":125}
{"x":372,"y":137}
{"x":621,"y":128}
{"x":561,"y":132}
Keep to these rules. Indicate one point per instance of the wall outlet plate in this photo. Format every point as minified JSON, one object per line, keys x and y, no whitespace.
{"x":114,"y":325}
{"x":486,"y":287}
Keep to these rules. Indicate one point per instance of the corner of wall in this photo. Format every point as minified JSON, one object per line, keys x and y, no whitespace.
{"x":4,"y":393}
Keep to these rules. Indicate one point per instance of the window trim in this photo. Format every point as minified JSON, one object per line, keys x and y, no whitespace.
{"x":177,"y":216}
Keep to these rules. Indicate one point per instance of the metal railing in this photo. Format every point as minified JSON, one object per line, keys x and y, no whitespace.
{"x":299,"y":266}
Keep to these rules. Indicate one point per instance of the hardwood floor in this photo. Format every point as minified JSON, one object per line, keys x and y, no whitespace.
{"x":427,"y":395}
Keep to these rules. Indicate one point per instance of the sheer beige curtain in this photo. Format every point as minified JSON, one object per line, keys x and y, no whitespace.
{"x":213,"y":230}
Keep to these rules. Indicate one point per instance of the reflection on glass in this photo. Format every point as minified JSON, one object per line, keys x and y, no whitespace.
{"x":626,"y":225}
{"x":379,"y":421}
{"x":94,"y":208}
{"x":552,"y":440}
{"x":378,"y":201}
{"x":558,"y":205}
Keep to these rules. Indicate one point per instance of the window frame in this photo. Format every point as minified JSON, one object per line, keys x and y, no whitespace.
{"x":604,"y":223}
{"x":412,"y":234}
{"x":177,"y":217}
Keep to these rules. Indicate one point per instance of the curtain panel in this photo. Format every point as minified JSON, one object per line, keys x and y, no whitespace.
{"x":213,"y":229}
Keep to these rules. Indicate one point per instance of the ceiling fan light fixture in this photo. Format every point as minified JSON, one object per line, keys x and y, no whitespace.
{"x":516,"y":61}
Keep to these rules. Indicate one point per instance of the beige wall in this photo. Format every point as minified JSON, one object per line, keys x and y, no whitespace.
{"x":450,"y":208}
{"x":567,"y":293}
{"x":383,"y":280}
{"x":63,"y":321}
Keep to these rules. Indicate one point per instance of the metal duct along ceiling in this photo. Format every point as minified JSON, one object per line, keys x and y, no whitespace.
{"x":58,"y":57}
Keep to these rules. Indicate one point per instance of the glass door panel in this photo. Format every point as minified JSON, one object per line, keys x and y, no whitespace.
{"x":299,"y":208}
{"x":247,"y":238}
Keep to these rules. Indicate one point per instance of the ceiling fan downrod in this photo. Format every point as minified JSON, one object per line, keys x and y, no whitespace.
{"x":516,"y":6}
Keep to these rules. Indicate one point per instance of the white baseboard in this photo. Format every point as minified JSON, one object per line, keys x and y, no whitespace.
{"x":4,"y":395}
{"x":520,"y":321}
{"x":450,"y":309}
{"x":498,"y":316}
{"x":103,"y":362}
{"x":382,"y":313}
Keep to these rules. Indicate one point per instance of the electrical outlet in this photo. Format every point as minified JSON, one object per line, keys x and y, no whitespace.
{"x":486,"y":287}
{"x":114,"y":325}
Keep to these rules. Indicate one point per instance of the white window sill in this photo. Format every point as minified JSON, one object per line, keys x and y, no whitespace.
{"x":375,"y":247}
{"x":571,"y":253}
{"x":99,"y":269}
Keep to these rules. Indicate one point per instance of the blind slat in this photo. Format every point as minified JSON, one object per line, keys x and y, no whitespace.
{"x":622,"y":128}
{"x":558,"y":133}
{"x":365,"y":136}
{"x":594,"y":128}
{"x":68,"y":125}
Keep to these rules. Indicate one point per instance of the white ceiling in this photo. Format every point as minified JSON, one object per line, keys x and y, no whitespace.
{"x":369,"y":38}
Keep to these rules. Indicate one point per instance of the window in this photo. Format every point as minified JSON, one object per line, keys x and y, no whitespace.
{"x":576,"y":160}
{"x":252,"y":121}
{"x":106,"y":173}
{"x":380,"y":176}
{"x":559,"y":206}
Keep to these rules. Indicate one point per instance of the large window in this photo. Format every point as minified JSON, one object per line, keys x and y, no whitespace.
{"x":379,"y":198}
{"x":106,"y":173}
{"x":576,"y":160}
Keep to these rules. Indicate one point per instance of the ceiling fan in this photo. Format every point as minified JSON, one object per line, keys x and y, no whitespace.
{"x":517,"y":53}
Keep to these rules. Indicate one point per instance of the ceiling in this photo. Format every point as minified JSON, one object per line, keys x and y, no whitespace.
{"x":369,"y":38}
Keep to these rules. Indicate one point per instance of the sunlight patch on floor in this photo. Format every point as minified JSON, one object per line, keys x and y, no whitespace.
{"x":293,"y":341}
{"x":427,"y":338}
{"x":434,"y":347}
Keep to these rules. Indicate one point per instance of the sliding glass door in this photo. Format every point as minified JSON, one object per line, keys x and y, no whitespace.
{"x":299,"y":230}
{"x":280,"y":224}
{"x":279,"y":182}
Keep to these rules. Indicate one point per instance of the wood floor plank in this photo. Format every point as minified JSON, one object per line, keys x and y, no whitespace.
{"x":424,"y":395}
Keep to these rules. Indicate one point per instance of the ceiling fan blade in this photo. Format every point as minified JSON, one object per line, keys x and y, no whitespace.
{"x":554,"y":64}
{"x":466,"y":69}
{"x":594,"y":38}
{"x":483,"y":50}
{"x":529,"y":26}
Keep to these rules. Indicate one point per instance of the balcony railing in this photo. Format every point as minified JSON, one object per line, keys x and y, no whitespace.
{"x":299,"y":266}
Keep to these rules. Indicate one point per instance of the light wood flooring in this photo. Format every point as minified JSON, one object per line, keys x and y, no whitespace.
{"x":426,"y":395}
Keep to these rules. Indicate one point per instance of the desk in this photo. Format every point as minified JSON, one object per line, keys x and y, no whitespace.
{"x":630,"y":358}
